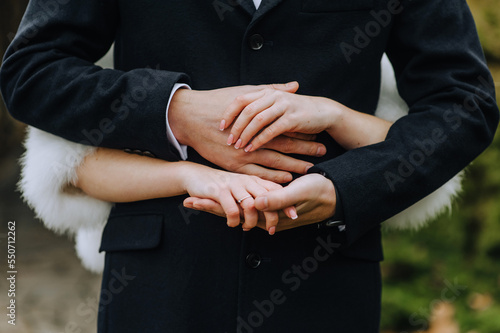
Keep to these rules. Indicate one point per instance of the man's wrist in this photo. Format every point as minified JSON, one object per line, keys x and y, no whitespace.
{"x":178,"y":114}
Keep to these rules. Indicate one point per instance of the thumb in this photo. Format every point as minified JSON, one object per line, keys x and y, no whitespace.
{"x":290,"y":87}
{"x":275,"y":200}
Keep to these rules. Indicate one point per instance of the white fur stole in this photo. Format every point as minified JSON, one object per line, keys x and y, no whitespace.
{"x":49,"y":166}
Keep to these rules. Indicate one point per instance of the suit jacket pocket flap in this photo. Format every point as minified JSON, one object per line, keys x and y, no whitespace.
{"x":132,"y":232}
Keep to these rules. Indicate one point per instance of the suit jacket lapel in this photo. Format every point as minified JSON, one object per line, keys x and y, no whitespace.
{"x":265,"y":7}
{"x":248,"y":6}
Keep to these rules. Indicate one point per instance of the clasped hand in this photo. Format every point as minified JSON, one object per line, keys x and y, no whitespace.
{"x":263,"y":117}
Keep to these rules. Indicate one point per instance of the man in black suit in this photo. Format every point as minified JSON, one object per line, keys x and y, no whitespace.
{"x":202,"y":276}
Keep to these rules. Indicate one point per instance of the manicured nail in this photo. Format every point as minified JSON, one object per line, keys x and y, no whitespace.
{"x":230,"y":139}
{"x":272,"y":230}
{"x":222,"y":125}
{"x":294,"y":216}
{"x":237,"y":144}
{"x":287,"y":178}
{"x":245,"y":229}
{"x":248,"y":148}
{"x":321,"y":151}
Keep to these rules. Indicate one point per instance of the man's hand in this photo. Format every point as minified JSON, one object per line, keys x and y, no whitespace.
{"x":313,"y":195}
{"x":194,"y":117}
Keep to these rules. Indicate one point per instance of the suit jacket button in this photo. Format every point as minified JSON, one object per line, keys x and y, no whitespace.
{"x":137,"y":152}
{"x":253,"y":260}
{"x":256,"y":42}
{"x":334,"y":223}
{"x":148,"y":154}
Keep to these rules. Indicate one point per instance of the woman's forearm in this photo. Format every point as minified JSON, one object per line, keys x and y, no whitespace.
{"x":116,"y":176}
{"x":353,"y":129}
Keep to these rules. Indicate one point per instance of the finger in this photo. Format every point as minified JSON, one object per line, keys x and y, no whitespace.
{"x":259,"y":123}
{"x":247,"y":115}
{"x":276,"y":160}
{"x":205,"y":205}
{"x":301,"y":136}
{"x":250,"y":214}
{"x":289,"y":145}
{"x":236,"y":107}
{"x":291,"y":211}
{"x":230,"y":207}
{"x":276,"y":176}
{"x":278,"y":127}
{"x":290,"y":87}
{"x":288,"y":196}
{"x":272,"y":220}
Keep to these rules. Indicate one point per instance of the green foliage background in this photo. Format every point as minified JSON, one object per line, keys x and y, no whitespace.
{"x":461,"y":248}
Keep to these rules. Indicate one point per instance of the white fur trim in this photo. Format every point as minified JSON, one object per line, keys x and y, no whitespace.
{"x":48,"y":168}
{"x":392,"y":107}
{"x":428,"y":208}
{"x":87,"y":243}
{"x":50,"y":162}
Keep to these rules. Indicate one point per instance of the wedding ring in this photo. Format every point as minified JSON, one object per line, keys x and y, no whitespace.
{"x":248,"y":196}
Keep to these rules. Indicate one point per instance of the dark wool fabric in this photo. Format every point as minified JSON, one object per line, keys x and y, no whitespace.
{"x":173,"y":270}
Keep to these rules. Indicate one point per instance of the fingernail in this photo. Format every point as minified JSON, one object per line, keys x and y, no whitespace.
{"x":264,"y":201}
{"x":321,"y":151}
{"x":309,"y":167}
{"x":248,"y":148}
{"x":222,"y":125}
{"x":287,"y":178}
{"x":237,"y":144}
{"x":245,"y":229}
{"x":294,"y":216}
{"x":272,"y":230}
{"x":230,"y":139}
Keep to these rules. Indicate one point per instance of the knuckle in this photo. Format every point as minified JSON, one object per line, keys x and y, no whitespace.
{"x":285,"y":104}
{"x":276,"y":161}
{"x":240,"y":99}
{"x":233,"y":213}
{"x":269,"y":131}
{"x":288,"y":145}
{"x":272,"y":219}
{"x":259,"y":118}
{"x":313,"y":149}
{"x":236,"y":128}
{"x":249,"y":109}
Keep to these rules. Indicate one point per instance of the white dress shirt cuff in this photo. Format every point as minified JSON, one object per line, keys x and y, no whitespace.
{"x":182,"y":149}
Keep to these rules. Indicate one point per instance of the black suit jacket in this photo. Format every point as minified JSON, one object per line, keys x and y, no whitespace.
{"x":331,"y":47}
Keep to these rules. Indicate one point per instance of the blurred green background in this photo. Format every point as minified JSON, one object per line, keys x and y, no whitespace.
{"x":457,"y":257}
{"x":442,"y":279}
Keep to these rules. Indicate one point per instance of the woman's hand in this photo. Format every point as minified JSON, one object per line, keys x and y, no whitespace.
{"x":263,"y":115}
{"x":233,"y":192}
{"x":313,"y":195}
{"x":268,"y":113}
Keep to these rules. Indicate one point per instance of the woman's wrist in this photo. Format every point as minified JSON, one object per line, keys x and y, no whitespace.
{"x":336,"y":114}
